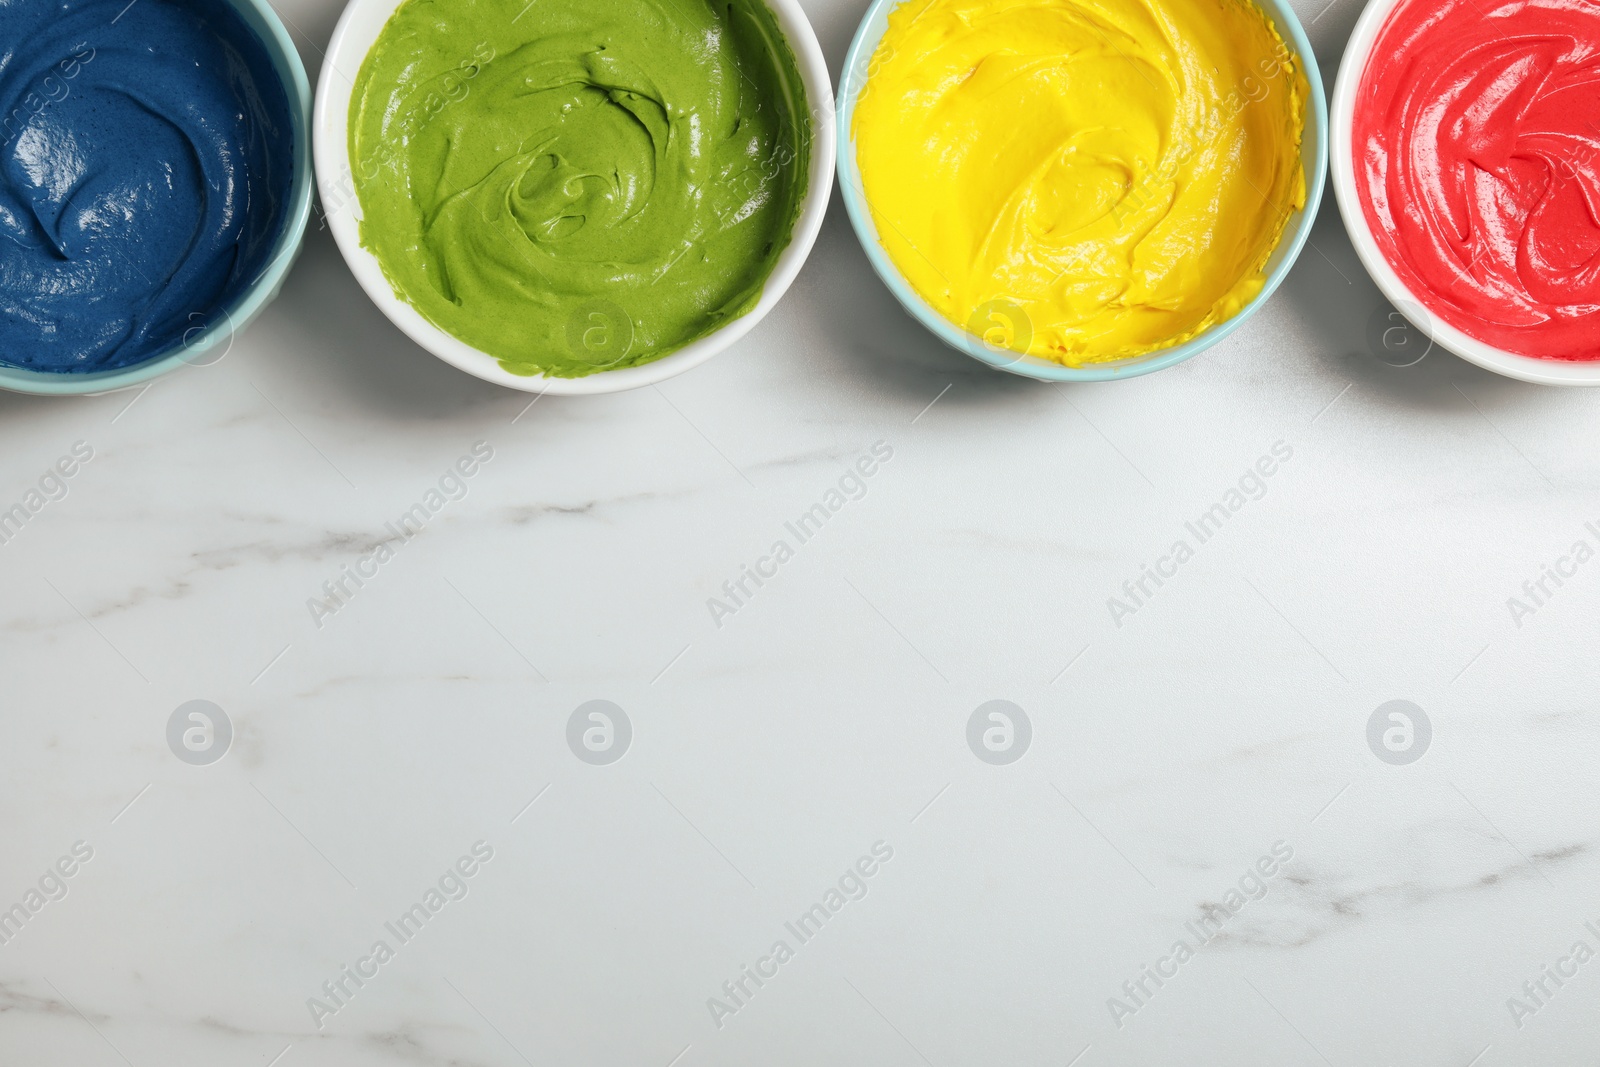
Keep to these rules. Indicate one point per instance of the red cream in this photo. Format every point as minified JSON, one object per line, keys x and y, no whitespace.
{"x":1477,"y":158}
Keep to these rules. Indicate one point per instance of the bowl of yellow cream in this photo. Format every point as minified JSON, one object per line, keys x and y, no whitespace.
{"x":574,"y":196}
{"x":1081,"y":190}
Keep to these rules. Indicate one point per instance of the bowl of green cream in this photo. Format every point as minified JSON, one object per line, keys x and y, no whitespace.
{"x":574,"y":196}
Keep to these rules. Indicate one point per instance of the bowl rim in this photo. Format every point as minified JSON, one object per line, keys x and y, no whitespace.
{"x":1297,"y":231}
{"x":1531,"y":369}
{"x":352,"y":40}
{"x":200,"y":351}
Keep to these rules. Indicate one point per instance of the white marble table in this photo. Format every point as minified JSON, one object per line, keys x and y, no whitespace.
{"x":212,"y":908}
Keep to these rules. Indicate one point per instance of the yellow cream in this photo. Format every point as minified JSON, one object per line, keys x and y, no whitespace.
{"x":1118,"y":170}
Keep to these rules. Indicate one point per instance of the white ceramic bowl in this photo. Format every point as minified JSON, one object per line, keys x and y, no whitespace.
{"x":354,"y":37}
{"x":1512,"y":365}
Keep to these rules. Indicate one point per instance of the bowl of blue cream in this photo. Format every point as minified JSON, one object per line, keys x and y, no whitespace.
{"x":155,"y":182}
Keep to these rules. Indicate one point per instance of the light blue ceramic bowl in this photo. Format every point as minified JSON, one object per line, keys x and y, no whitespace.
{"x":1313,"y":156}
{"x":210,"y":340}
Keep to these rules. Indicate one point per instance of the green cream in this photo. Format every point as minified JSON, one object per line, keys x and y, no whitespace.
{"x":577,"y":185}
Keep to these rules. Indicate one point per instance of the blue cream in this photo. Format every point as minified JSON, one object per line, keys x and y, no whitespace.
{"x":146,"y":158}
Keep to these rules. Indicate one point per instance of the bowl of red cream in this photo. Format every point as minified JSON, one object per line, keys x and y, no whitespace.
{"x":1466,"y":164}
